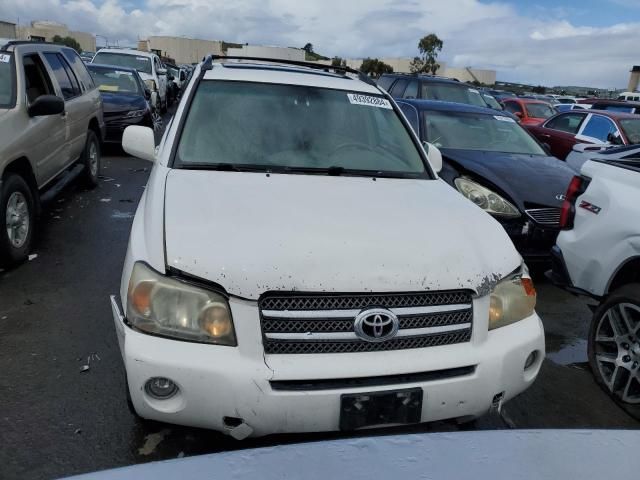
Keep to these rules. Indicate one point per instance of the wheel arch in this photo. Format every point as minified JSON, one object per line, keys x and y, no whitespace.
{"x":628,"y":272}
{"x":94,"y":125}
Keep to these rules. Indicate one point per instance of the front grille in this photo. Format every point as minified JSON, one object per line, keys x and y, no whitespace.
{"x":344,"y":302}
{"x":545,"y":216}
{"x":301,"y":324}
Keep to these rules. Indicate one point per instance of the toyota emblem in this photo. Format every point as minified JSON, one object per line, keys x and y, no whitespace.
{"x":376,"y":325}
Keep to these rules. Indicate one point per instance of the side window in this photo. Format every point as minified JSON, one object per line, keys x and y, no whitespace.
{"x":412,"y":115}
{"x":411,"y":90}
{"x":385,"y":82}
{"x":65,"y":77}
{"x":37,"y":81}
{"x":512,"y":107}
{"x":86,"y":82}
{"x":156,"y":65}
{"x":599,"y":127}
{"x":398,"y":88}
{"x":569,"y":123}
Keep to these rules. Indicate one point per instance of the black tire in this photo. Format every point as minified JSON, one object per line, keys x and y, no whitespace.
{"x":614,"y":355}
{"x":91,"y":163}
{"x":15,"y":250}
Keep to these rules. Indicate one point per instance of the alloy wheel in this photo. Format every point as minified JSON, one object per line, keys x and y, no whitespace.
{"x":17,"y":219}
{"x":93,"y":159}
{"x":157,"y":121}
{"x":617,"y":351}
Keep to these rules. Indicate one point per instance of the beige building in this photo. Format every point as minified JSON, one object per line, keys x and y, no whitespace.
{"x":45,"y":31}
{"x":266,"y":51}
{"x":634,"y":78}
{"x":8,"y":30}
{"x":181,"y":49}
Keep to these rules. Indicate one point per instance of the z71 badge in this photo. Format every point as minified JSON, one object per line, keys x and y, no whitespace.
{"x":590,"y":206}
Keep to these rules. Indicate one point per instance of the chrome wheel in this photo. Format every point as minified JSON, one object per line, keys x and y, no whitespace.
{"x":617,"y":351}
{"x":156,"y":118}
{"x":93,"y":159}
{"x":17,"y":219}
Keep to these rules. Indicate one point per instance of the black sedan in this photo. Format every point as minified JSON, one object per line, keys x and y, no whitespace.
{"x":125,"y":99}
{"x":490,"y":159}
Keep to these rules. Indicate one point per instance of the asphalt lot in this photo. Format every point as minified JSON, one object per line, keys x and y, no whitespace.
{"x":56,"y":420}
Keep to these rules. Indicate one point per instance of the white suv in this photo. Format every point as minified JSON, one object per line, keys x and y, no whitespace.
{"x":149,"y":66}
{"x":295,"y":264}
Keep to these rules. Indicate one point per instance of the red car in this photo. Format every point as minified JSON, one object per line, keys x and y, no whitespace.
{"x":562,"y":131}
{"x":529,"y":111}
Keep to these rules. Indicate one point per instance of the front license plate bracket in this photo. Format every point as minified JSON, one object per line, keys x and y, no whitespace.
{"x":395,"y":407}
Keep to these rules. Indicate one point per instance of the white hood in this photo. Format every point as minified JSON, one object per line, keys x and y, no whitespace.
{"x":253,"y":233}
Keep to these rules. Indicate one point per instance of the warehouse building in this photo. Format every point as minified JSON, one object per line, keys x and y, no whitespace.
{"x":182,"y":50}
{"x":8,"y":30}
{"x":44,"y":31}
{"x":266,"y":51}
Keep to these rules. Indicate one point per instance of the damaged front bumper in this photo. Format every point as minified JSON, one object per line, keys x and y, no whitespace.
{"x":239,"y":391}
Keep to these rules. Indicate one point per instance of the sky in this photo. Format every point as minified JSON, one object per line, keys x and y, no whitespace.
{"x":547,"y":42}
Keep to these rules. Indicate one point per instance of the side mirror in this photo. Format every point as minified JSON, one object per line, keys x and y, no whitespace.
{"x":518,"y":114}
{"x":154,"y":99}
{"x":46,"y":105}
{"x":147,"y":94}
{"x":139,"y":142}
{"x":435,"y":156}
{"x":161,"y":71}
{"x":614,"y":139}
{"x":170,"y":77}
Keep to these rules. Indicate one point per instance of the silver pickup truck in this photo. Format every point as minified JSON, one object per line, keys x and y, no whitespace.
{"x":50,"y":120}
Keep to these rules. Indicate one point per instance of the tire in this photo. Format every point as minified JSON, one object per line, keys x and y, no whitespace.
{"x":91,"y":160}
{"x":163,"y":105}
{"x":17,"y":206}
{"x":614,"y":347}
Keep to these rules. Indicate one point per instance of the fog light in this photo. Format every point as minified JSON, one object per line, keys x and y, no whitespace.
{"x":531,"y":359}
{"x":160,"y":388}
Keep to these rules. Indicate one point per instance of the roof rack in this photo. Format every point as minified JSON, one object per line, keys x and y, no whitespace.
{"x":208,"y":65}
{"x":12,"y":43}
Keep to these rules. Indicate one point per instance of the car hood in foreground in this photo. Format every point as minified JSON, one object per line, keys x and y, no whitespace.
{"x":531,"y":179}
{"x":483,"y":455}
{"x":122,"y":102}
{"x":253,"y":233}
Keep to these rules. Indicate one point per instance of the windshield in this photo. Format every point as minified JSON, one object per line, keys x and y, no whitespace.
{"x":7,"y":81}
{"x":114,"y":80}
{"x":140,"y":63}
{"x":631,"y":128}
{"x":478,"y":131}
{"x":295,"y":127}
{"x":451,"y":92}
{"x":540,"y":110}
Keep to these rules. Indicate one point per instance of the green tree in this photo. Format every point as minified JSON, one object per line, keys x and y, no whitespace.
{"x":338,"y":62}
{"x":429,"y":47}
{"x":308,"y":48}
{"x":68,"y":41}
{"x":375,"y":67}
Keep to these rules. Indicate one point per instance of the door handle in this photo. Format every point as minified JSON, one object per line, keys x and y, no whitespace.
{"x":545,"y":135}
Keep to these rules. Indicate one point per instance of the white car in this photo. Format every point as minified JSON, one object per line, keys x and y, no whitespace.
{"x":295,"y":265}
{"x":598,"y":254}
{"x":583,"y":152}
{"x":148,"y":65}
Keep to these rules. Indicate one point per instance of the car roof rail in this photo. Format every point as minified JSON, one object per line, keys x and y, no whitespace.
{"x":208,"y":65}
{"x":13,"y":43}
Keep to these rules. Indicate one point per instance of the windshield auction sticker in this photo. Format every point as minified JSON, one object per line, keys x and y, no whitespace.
{"x":369,"y":101}
{"x":5,"y":58}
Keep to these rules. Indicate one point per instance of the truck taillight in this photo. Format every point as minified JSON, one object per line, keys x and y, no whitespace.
{"x":568,"y":212}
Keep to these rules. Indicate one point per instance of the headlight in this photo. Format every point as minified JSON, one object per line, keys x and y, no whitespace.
{"x":512,"y":300}
{"x":151,"y":84}
{"x":136,"y":113}
{"x":165,"y":306}
{"x":489,"y":201}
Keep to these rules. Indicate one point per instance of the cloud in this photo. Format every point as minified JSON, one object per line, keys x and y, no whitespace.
{"x":547,"y":49}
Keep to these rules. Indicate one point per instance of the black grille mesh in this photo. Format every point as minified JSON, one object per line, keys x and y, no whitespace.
{"x":280,"y":325}
{"x":348,"y":302}
{"x":402,"y":343}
